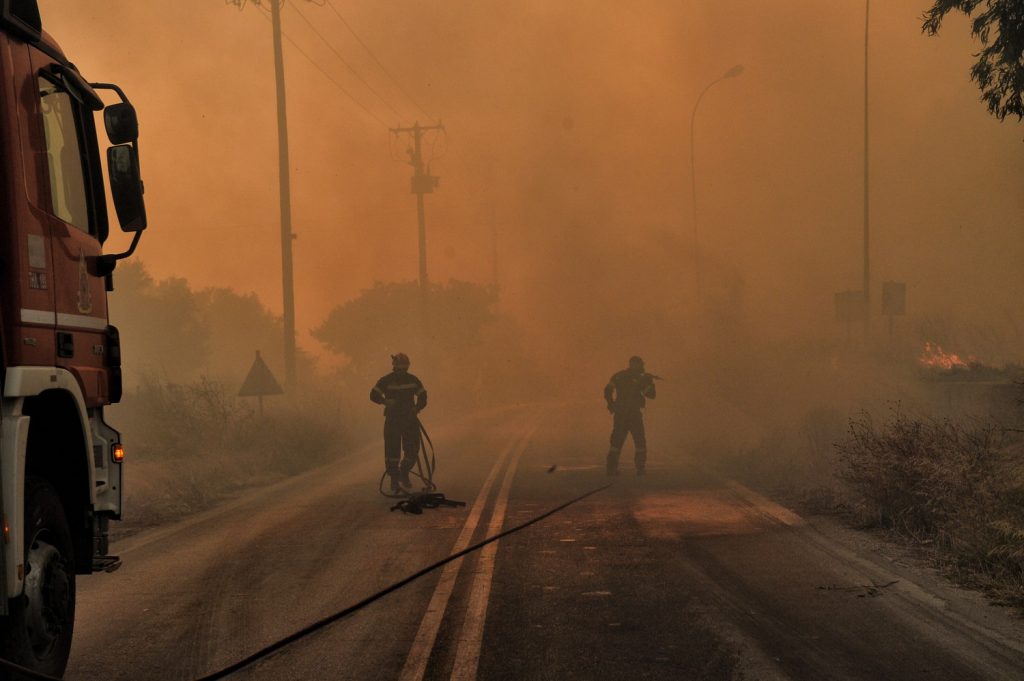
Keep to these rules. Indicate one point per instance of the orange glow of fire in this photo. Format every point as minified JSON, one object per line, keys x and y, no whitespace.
{"x":934,"y":357}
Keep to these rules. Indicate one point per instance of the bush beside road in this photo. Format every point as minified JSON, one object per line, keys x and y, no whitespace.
{"x":193,"y":445}
{"x":956,"y":487}
{"x":951,"y":487}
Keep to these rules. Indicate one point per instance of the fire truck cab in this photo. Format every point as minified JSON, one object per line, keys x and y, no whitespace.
{"x":61,"y":469}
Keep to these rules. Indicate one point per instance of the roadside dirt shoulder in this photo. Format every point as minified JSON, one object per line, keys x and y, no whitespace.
{"x":922,"y":579}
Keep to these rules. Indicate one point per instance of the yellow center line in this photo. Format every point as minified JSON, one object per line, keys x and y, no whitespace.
{"x":467,"y":656}
{"x":419,"y":654}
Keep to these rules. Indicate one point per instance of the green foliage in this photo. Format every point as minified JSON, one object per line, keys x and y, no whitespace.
{"x":958,"y":487}
{"x":999,"y":71}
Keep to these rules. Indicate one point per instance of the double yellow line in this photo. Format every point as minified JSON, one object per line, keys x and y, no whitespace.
{"x":467,"y":655}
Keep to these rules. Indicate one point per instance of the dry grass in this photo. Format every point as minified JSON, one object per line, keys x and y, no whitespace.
{"x":192,"y":445}
{"x":954,"y":488}
{"x":958,"y":487}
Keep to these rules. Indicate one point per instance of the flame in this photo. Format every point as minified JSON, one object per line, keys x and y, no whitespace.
{"x":934,"y":357}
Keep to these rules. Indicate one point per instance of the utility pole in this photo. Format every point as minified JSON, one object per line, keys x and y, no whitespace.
{"x":731,"y":73}
{"x":867,"y":215}
{"x":494,"y":251}
{"x":284,"y":193}
{"x":287,"y":278}
{"x":422,"y":183}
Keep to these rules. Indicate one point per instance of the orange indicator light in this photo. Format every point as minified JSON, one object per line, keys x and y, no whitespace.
{"x":117,"y":453}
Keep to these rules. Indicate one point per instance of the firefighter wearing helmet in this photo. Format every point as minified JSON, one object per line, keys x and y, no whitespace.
{"x":403,"y":397}
{"x":626,"y":394}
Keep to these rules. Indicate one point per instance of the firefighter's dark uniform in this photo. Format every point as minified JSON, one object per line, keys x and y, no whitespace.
{"x":403,"y":396}
{"x":626,"y":394}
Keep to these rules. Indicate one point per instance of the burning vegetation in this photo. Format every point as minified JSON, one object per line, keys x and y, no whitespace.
{"x":934,"y":357}
{"x":941,"y":365}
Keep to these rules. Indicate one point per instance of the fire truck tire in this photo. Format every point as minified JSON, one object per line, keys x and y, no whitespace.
{"x":37,"y":631}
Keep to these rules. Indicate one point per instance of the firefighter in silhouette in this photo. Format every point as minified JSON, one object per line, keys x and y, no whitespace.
{"x":626,"y":394}
{"x":403,"y":397}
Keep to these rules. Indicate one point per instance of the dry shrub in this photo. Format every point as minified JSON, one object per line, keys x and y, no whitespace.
{"x":192,"y":444}
{"x":957,"y":486}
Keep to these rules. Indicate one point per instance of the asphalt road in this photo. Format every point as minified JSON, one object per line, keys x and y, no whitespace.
{"x":677,"y":575}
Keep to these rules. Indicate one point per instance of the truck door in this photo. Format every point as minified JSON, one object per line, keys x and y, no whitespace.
{"x":28,"y":265}
{"x":77,"y":222}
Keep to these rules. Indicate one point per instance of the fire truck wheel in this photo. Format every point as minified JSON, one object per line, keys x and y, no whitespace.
{"x":37,"y":631}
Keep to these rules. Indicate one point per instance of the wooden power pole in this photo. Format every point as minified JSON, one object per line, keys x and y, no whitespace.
{"x":867,"y":184}
{"x":284,"y":182}
{"x":284,"y":192}
{"x":422,"y":183}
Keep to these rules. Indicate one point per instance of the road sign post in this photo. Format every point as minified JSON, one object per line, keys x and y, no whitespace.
{"x":259,"y":382}
{"x":894,"y":302}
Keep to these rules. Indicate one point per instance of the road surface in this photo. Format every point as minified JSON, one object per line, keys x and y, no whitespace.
{"x":677,"y":575}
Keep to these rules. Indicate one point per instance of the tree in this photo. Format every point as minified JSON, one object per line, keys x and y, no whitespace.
{"x":239,"y":325}
{"x":999,"y":72}
{"x":176,"y":333}
{"x":386,"y":319}
{"x":161,"y":326}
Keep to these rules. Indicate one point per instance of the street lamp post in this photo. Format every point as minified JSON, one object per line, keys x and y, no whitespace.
{"x":731,"y":73}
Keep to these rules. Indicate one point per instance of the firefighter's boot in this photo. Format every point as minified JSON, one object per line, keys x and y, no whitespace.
{"x":396,"y":476}
{"x":404,"y":481}
{"x":403,"y":475}
{"x":612,"y":464}
{"x":641,"y":462}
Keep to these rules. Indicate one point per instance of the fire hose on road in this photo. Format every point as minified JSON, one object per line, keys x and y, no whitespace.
{"x":414,"y":502}
{"x":23,"y":673}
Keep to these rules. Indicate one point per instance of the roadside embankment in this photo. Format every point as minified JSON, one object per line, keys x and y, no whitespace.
{"x":952,"y":487}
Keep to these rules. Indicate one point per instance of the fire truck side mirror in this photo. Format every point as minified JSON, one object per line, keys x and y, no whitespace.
{"x":121,"y":123}
{"x":126,"y":187}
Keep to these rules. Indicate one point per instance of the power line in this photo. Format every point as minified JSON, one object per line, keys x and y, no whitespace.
{"x":344,"y":61}
{"x":377,"y":61}
{"x":321,"y":3}
{"x":329,"y":77}
{"x":433,"y":147}
{"x":391,"y":148}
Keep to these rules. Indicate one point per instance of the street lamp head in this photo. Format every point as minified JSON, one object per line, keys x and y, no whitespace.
{"x":734,"y":71}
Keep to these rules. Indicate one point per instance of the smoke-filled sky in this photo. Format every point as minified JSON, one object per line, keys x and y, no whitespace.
{"x":569,"y":134}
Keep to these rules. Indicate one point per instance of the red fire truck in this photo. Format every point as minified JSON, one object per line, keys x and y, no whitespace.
{"x":61,"y":467}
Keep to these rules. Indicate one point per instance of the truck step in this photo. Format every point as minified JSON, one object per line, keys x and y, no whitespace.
{"x":105,"y":563}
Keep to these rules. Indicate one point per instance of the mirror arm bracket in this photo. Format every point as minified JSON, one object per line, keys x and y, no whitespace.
{"x":106,"y":263}
{"x":111,"y":86}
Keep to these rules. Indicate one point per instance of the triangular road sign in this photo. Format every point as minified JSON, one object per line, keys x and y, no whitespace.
{"x":260,"y":381}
